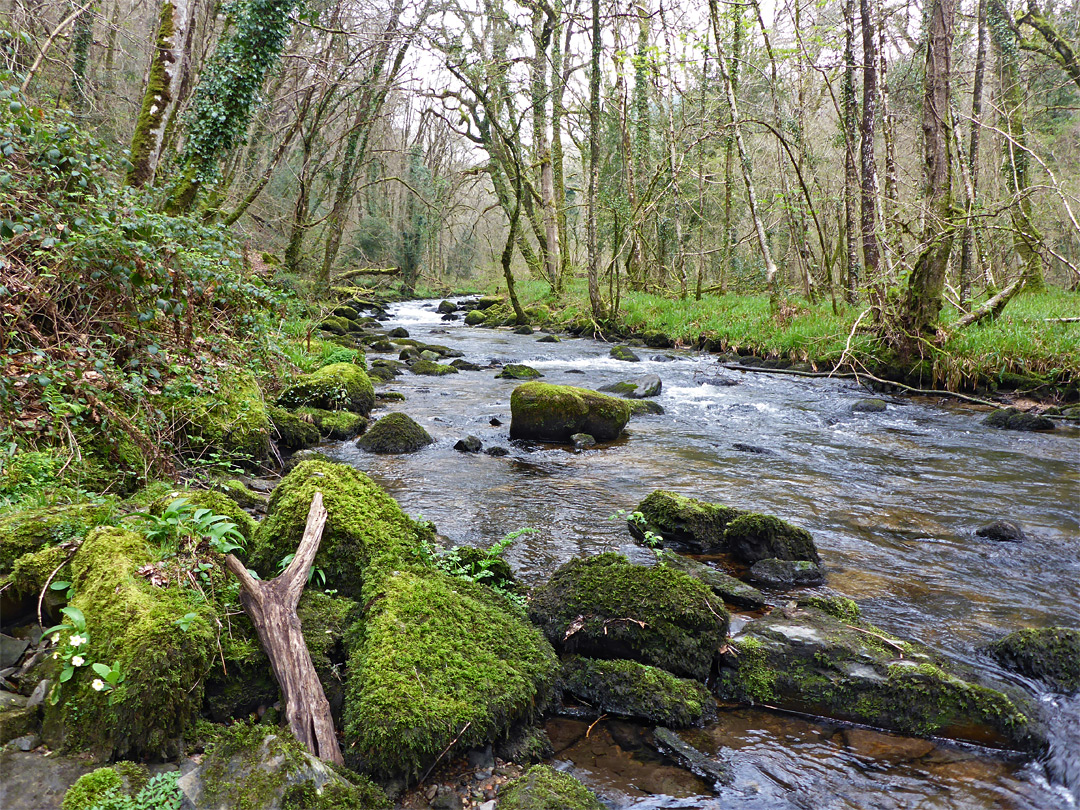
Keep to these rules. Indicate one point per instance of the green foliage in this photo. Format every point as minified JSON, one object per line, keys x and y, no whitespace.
{"x":182,"y":524}
{"x":483,"y":566}
{"x":544,"y":788}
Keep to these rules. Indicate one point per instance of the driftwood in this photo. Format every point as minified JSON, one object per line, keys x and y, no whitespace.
{"x":272,"y":608}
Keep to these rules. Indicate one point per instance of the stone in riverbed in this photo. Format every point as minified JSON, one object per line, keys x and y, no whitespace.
{"x":624,"y":353}
{"x":752,"y":537}
{"x":605,"y":607}
{"x":524,"y":329}
{"x":465,"y":365}
{"x":1015,"y":419}
{"x":474,"y":318}
{"x":869,"y":406}
{"x":446,"y":307}
{"x":429,"y":368}
{"x":398,"y":332}
{"x":785,"y":574}
{"x":470,"y":444}
{"x":395,"y":433}
{"x":517,"y":371}
{"x":809,"y":661}
{"x":1051,"y":654}
{"x":645,"y":407}
{"x":549,"y":339}
{"x":641,"y":388}
{"x":733,"y":591}
{"x":712,"y":770}
{"x":545,"y":412}
{"x":684,"y":521}
{"x":1004,"y":531}
{"x":583,"y":441}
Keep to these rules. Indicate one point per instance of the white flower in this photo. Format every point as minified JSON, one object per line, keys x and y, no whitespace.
{"x":77,"y":660}
{"x":76,"y":640}
{"x":56,"y":638}
{"x":97,"y":685}
{"x":56,"y":654}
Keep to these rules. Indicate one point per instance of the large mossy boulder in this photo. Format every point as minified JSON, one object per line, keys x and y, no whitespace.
{"x":132,"y":626}
{"x":395,"y":433}
{"x":291,"y":431}
{"x":810,"y":660}
{"x":232,"y":420}
{"x":334,"y":425}
{"x":441,"y":664}
{"x":1015,"y":419}
{"x":365,"y":527}
{"x":544,"y":788}
{"x":636,"y":690}
{"x":1050,"y":654}
{"x":733,"y":591}
{"x":34,"y":529}
{"x":606,"y":607}
{"x":556,"y":412}
{"x":336,"y":387}
{"x":264,"y":767}
{"x":686,"y":522}
{"x":753,"y":537}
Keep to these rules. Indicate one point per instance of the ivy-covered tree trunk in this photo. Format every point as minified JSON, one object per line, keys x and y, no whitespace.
{"x":558,"y":88}
{"x":82,"y":35}
{"x":169,"y":60}
{"x":851,"y":172}
{"x":592,"y":239}
{"x":869,"y":185}
{"x":967,"y":249}
{"x":923,"y":300}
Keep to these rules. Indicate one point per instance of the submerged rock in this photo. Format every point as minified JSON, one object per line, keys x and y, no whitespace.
{"x":698,"y":763}
{"x":807,"y":660}
{"x":338,"y":386}
{"x":624,"y":353}
{"x":752,"y":537}
{"x":395,"y":433}
{"x":1015,"y":419}
{"x":544,"y":788}
{"x":784,"y":574}
{"x":516,"y":371}
{"x":637,"y":690}
{"x":733,"y":591}
{"x":1004,"y":531}
{"x":1050,"y":654}
{"x":605,"y":607}
{"x":869,"y":406}
{"x":545,"y":412}
{"x":641,"y":388}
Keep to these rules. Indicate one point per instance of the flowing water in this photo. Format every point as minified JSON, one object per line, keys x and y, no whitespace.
{"x":893,"y":500}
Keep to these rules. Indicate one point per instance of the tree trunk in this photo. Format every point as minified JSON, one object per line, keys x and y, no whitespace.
{"x":558,"y":88}
{"x":967,"y":250}
{"x":592,"y":237}
{"x":730,"y":236}
{"x":272,"y":608}
{"x":851,"y":173}
{"x":82,"y":35}
{"x":868,"y":219}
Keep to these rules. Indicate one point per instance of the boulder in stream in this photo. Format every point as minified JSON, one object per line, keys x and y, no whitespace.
{"x":751,"y":537}
{"x":785,"y":574}
{"x":640,"y":388}
{"x":429,"y":368}
{"x":395,"y":433}
{"x":807,"y":660}
{"x":545,"y":412}
{"x":624,"y":353}
{"x":1003,"y":531}
{"x":1050,"y":654}
{"x":645,"y":407}
{"x":871,"y":405}
{"x":606,"y":607}
{"x":1015,"y":419}
{"x":544,"y":788}
{"x":687,"y":522}
{"x":517,"y":371}
{"x":338,"y":386}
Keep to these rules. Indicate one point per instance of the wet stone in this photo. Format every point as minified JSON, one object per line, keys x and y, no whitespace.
{"x":1003,"y":531}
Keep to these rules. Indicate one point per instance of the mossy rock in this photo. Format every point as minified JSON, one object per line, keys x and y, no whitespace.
{"x":605,"y":607}
{"x":335,"y":325}
{"x":429,"y":368}
{"x":32,"y":570}
{"x":16,"y":722}
{"x":645,"y":407}
{"x":485,"y":302}
{"x":637,"y":690}
{"x":250,"y":767}
{"x":291,"y":430}
{"x":335,"y":425}
{"x":809,"y":661}
{"x":685,"y":522}
{"x":346,"y":312}
{"x":217,"y":502}
{"x":242,"y":495}
{"x":751,"y":537}
{"x":107,"y":788}
{"x":233,"y":421}
{"x":624,"y":353}
{"x":657,"y":340}
{"x":474,"y":318}
{"x":478,"y":565}
{"x":649,"y":385}
{"x":338,"y":386}
{"x":786,"y":574}
{"x":365,"y":527}
{"x":544,"y":788}
{"x":1014,"y":419}
{"x":395,"y":433}
{"x":442,"y":664}
{"x":556,"y":412}
{"x":33,"y":529}
{"x":733,"y":591}
{"x":517,"y":371}
{"x":132,"y":626}
{"x":324,"y":620}
{"x":1050,"y":654}
{"x":538,"y":314}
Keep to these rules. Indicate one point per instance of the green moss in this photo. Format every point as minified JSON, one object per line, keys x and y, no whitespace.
{"x":24,"y":532}
{"x":365,"y":527}
{"x":362,"y":794}
{"x":217,"y":502}
{"x":292,"y":431}
{"x":474,"y":318}
{"x":429,"y":368}
{"x":751,"y":537}
{"x":605,"y":607}
{"x":544,"y":788}
{"x":1051,"y":654}
{"x":516,"y":371}
{"x":839,"y":607}
{"x":339,"y":386}
{"x":241,"y":494}
{"x":324,"y":621}
{"x":234,"y":775}
{"x":686,"y":521}
{"x":395,"y":433}
{"x":232,"y":421}
{"x":335,"y":325}
{"x":31,"y":571}
{"x":93,"y":788}
{"x":335,"y":425}
{"x":556,"y":412}
{"x":439,"y":660}
{"x":636,"y":690}
{"x":155,"y":103}
{"x":132,"y":626}
{"x":757,"y":683}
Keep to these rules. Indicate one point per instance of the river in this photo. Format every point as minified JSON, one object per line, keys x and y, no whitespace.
{"x":892,"y":499}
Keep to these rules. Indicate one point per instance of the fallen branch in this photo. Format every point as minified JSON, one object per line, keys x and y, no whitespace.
{"x":367,"y":271}
{"x":272,"y":608}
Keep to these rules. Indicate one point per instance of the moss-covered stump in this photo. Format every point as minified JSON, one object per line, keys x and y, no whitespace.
{"x":35,"y":529}
{"x":637,"y":690}
{"x":439,"y":660}
{"x":685,"y":522}
{"x":752,"y":537}
{"x":1049,"y":654}
{"x":395,"y":433}
{"x":807,"y":660}
{"x":429,"y":368}
{"x":334,"y":425}
{"x":605,"y":607}
{"x":232,"y":421}
{"x":265,"y":768}
{"x":733,"y":591}
{"x":336,"y":387}
{"x":556,"y":412}
{"x":544,"y":788}
{"x":217,"y":502}
{"x":1015,"y":419}
{"x":365,"y":528}
{"x":132,"y":626}
{"x":517,"y":371}
{"x":292,"y":431}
